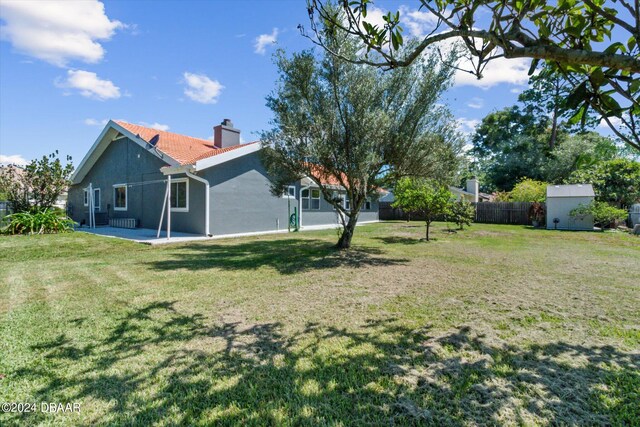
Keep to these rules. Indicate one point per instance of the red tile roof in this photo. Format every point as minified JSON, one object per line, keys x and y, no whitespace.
{"x":184,"y":149}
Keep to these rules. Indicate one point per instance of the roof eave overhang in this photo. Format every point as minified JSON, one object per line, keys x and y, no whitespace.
{"x":227,"y":156}
{"x":108,"y":134}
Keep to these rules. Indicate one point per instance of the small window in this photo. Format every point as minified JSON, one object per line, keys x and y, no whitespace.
{"x":290,"y":192}
{"x":120,"y":197}
{"x":367,"y":205}
{"x":347,"y":202}
{"x":305,"y":199}
{"x":86,"y":197}
{"x":96,"y":199}
{"x":315,"y":199}
{"x":180,"y":195}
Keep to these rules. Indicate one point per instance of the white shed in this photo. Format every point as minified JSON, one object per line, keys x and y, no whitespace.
{"x":561,"y":199}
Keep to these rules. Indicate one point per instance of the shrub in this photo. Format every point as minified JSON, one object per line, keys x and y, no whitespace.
{"x":501,"y":196}
{"x":529,"y":190}
{"x":462,"y":212}
{"x":603,"y":213}
{"x":36,"y":185}
{"x":39,"y":221}
{"x":537,"y":212}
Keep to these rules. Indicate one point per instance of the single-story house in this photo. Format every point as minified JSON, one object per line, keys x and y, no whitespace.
{"x":217,"y":187}
{"x":561,"y":200}
{"x":471,"y":193}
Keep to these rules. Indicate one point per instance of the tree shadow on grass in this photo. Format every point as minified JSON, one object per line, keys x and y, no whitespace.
{"x":398,"y":240}
{"x":288,"y":256}
{"x":160,"y":366}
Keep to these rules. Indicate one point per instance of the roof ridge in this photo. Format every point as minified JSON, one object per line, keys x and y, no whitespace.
{"x":210,"y":142}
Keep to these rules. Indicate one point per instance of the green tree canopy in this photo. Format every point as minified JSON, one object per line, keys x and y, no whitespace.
{"x":616,"y":182}
{"x":351,"y":126}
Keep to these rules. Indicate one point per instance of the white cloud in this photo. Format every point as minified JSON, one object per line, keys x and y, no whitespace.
{"x":264,"y":40}
{"x":516,"y":90}
{"x":201,"y":88}
{"x":155,"y":125}
{"x":476,"y":103}
{"x":14,"y":159}
{"x":615,"y":121}
{"x":94,"y":122}
{"x":89,"y":85}
{"x":501,"y":70}
{"x":57,"y":31}
{"x":419,"y":22}
{"x":467,"y":126}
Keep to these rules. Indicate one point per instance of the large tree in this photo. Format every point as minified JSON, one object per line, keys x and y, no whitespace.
{"x":508,"y":145}
{"x":353,"y":127}
{"x":592,"y":43}
{"x":616,"y":182}
{"x":547,"y":96}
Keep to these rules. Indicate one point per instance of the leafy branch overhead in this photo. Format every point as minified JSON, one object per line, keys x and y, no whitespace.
{"x":593,"y":44}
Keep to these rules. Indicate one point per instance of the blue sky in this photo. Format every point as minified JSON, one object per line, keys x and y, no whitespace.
{"x":65,"y":68}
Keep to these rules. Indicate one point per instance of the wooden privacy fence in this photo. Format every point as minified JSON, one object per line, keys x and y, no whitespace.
{"x":487,"y":212}
{"x":503,"y":212}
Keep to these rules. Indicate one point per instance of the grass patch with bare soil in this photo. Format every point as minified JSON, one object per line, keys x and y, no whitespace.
{"x":491,"y":325}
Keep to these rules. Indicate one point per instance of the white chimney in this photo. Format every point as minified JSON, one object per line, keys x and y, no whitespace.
{"x":473,"y":188}
{"x":225,"y":135}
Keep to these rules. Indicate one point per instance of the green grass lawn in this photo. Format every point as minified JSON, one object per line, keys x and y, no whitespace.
{"x":492,"y":325}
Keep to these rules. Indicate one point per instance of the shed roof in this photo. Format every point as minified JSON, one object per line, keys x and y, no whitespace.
{"x":574,"y":190}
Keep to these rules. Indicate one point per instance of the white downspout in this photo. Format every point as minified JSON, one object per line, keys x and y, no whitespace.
{"x":169,"y":207}
{"x":206,"y":200}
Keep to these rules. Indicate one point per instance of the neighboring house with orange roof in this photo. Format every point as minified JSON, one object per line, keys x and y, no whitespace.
{"x":218,"y":187}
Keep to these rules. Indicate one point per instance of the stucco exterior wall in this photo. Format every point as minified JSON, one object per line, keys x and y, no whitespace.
{"x":240,"y":200}
{"x":559,"y":207}
{"x":326,"y":214}
{"x":125,"y":162}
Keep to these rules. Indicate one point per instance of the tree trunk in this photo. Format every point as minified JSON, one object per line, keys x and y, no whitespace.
{"x":554,"y":130}
{"x":554,"y":123}
{"x":428,"y":224}
{"x":347,"y":233}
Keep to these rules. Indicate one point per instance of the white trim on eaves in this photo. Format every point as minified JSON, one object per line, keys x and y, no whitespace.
{"x":108,"y":135}
{"x":229,"y":155}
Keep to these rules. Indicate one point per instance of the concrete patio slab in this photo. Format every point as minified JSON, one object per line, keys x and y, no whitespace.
{"x":143,"y":235}
{"x":148,"y":236}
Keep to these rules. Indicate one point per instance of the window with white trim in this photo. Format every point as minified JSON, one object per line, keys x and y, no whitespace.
{"x":180,"y":195}
{"x":290,"y":192}
{"x":120,"y":197}
{"x":96,"y":199}
{"x":347,"y":202}
{"x":315,"y":199}
{"x":310,"y":199}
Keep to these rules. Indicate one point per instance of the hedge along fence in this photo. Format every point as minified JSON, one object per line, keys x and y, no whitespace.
{"x":487,"y":212}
